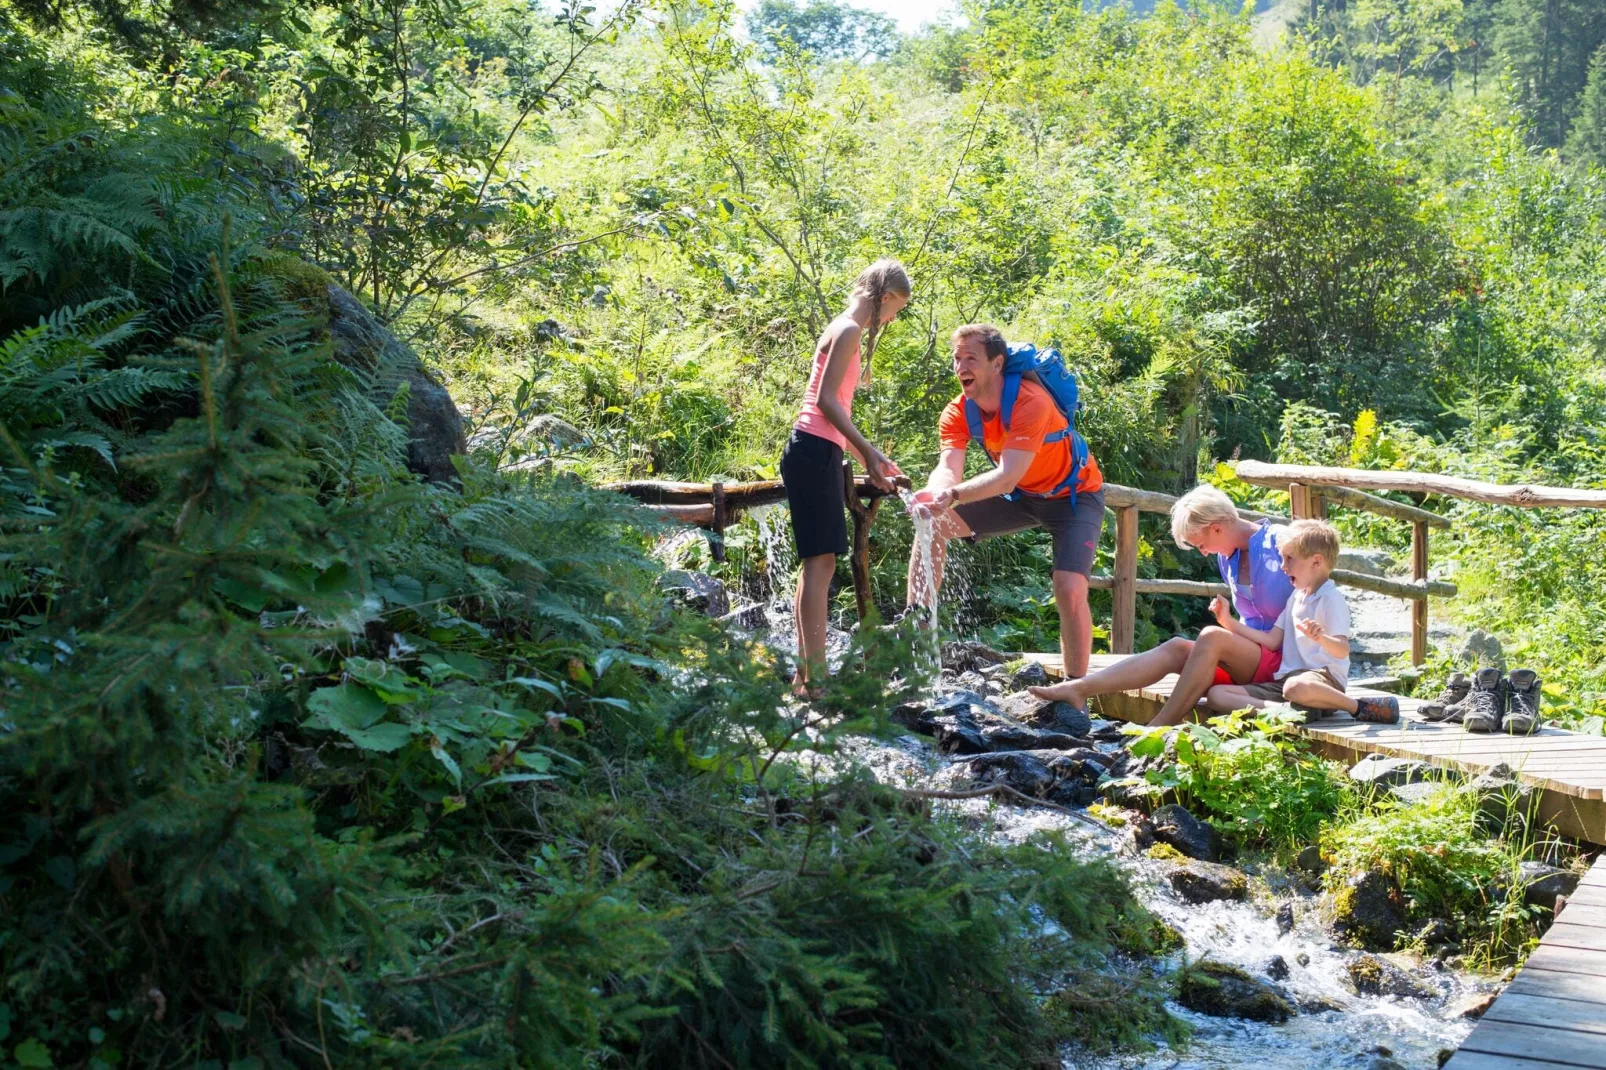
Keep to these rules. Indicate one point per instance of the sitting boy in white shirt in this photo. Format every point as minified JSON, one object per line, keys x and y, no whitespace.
{"x":1313,"y":633}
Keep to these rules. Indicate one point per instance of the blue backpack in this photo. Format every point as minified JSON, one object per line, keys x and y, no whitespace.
{"x":1046,"y":368}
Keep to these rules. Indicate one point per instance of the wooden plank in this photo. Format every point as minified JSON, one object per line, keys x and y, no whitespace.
{"x":1559,"y":959}
{"x":1548,"y":1012}
{"x":1527,"y":494}
{"x":1565,"y":1046}
{"x":1580,"y":937}
{"x":1551,"y":984}
{"x":1419,"y":608}
{"x":1372,"y":503}
{"x":1124,"y":611}
{"x":1299,"y":501}
{"x":1585,"y":914}
{"x":1477,"y":1060}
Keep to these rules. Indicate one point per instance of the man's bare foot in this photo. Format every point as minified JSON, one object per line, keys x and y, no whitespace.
{"x":1064,"y":691}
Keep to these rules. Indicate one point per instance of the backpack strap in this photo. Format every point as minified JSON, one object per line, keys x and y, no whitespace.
{"x":1006,"y":409}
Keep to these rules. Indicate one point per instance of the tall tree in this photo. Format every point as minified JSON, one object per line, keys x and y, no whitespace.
{"x":1548,"y":45}
{"x":1586,"y":142}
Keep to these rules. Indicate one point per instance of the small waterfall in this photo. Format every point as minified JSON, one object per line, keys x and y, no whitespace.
{"x":928,"y":646}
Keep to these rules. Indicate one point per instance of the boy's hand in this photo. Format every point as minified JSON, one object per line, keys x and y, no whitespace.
{"x":1222,"y":610}
{"x":1310,"y":629}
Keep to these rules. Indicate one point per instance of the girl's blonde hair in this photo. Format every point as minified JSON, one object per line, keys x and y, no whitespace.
{"x":875,"y":282}
{"x":1199,"y":508}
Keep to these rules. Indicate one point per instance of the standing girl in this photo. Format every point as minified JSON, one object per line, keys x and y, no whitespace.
{"x":811,"y":466}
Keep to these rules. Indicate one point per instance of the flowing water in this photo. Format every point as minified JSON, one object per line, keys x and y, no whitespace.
{"x":928,"y":647}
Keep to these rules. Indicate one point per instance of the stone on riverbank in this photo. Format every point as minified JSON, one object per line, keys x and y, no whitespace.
{"x":1203,"y":882}
{"x":1028,"y":674}
{"x":1224,"y":991}
{"x":1176,"y":826}
{"x":1369,"y":911}
{"x":1472,"y":1006}
{"x":1373,"y":976}
{"x":1379,"y":772}
{"x":1052,"y":715}
{"x":697,"y":591}
{"x":1504,"y":802}
{"x":1019,"y":770}
{"x":1541,"y":884}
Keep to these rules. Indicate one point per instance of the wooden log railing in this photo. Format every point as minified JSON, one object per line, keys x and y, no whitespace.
{"x":1310,"y":490}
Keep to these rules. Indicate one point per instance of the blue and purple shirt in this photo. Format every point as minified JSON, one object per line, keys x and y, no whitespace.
{"x":1260,"y":588}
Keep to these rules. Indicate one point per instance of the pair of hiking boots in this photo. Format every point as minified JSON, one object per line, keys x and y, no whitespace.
{"x":1489,"y":702}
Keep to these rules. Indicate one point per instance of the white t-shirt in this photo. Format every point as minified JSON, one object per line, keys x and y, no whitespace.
{"x":1326,"y":606}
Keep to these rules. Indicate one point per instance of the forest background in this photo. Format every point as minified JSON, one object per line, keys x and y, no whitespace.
{"x":1376,"y":240}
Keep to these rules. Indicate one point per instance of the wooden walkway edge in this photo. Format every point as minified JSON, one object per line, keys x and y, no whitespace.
{"x":1566,"y":769}
{"x":1553,"y":1013}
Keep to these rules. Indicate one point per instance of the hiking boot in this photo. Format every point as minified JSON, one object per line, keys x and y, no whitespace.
{"x":1522,"y":698}
{"x":1377,"y":709}
{"x":1486,"y":704}
{"x":1454,"y":694}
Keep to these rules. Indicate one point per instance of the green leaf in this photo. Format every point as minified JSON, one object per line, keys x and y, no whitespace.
{"x":518,"y":778}
{"x":229,"y":1020}
{"x":388,"y":680}
{"x":345,"y":706}
{"x":383,"y":738}
{"x":32,"y":1053}
{"x":448,"y":761}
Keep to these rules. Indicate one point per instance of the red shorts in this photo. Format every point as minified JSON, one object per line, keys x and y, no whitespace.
{"x":1270,"y":662}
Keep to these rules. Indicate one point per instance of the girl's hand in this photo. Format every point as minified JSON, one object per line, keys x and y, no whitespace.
{"x":1309,"y":628}
{"x":881,"y":470}
{"x":1221,"y":609}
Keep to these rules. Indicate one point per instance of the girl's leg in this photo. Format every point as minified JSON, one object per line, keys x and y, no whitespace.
{"x":1215,"y":646}
{"x":1139,"y":670}
{"x":809,"y":611}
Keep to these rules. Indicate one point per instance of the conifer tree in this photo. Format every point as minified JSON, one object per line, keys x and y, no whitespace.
{"x":1587,"y":141}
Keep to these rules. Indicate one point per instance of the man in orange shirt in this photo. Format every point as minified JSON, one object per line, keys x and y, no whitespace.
{"x":1032,"y":465}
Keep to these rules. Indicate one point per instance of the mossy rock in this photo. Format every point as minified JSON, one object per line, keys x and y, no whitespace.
{"x":1369,"y":911}
{"x":1166,"y":853}
{"x":1224,"y":991}
{"x":296,"y":280}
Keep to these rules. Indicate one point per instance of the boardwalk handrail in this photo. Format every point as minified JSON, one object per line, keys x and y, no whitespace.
{"x":1528,"y":495}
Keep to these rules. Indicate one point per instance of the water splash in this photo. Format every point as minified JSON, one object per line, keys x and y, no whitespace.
{"x":928,"y":646}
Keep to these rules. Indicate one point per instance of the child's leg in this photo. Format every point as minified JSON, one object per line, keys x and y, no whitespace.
{"x":809,"y":611}
{"x":1224,"y":698}
{"x":1312,"y":689}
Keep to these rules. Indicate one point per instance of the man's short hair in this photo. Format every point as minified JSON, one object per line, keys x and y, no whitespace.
{"x":1306,"y":537}
{"x":990,"y":337}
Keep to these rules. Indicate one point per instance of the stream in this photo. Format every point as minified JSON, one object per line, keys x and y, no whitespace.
{"x":1335,"y":1028}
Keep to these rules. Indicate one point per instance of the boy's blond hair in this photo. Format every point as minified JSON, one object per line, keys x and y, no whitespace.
{"x":1306,"y":538}
{"x":1199,"y":508}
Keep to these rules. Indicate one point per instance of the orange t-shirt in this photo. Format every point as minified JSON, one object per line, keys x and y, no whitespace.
{"x":1035,"y":417}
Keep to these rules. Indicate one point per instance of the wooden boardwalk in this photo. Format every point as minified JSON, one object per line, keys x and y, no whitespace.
{"x":1567,"y":769}
{"x":1552,"y":1016}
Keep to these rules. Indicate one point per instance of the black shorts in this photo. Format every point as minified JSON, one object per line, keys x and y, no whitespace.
{"x":1076,"y":531}
{"x":811,"y":468}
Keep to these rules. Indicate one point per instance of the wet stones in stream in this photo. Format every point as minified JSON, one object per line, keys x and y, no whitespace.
{"x":1371,"y":975}
{"x":1541,"y":884}
{"x":1179,"y":828}
{"x":1224,"y":991}
{"x":965,"y":722}
{"x":1369,"y":911}
{"x":1047,"y":714}
{"x":1061,"y":777}
{"x":1204,"y":882}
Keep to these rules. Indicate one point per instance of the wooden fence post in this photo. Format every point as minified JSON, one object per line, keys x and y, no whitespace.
{"x":1124,"y":611}
{"x":1419,"y":609}
{"x":859,"y":559}
{"x":716,"y":540}
{"x":1318,"y":507}
{"x":1299,"y":506}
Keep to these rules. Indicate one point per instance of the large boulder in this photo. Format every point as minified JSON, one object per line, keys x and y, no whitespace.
{"x":1370,"y":975}
{"x":1378,"y":771}
{"x":386,"y":365}
{"x":1053,"y":715}
{"x":1228,"y":992}
{"x":1203,"y":882}
{"x":1541,"y":884}
{"x":1179,"y":828}
{"x":1369,"y":911}
{"x":1018,"y":769}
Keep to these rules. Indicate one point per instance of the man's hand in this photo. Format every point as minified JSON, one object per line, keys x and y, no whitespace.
{"x":1221,"y":609}
{"x":1310,"y":629}
{"x":929,"y":504}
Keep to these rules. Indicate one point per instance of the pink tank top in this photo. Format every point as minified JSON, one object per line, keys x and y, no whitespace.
{"x":811,"y":419}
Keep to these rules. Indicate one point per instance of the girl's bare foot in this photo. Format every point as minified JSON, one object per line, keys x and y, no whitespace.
{"x":1064,"y":691}
{"x":801,"y":690}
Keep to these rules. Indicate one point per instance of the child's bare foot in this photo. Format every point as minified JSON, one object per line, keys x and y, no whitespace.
{"x":1064,"y":691}
{"x":802,"y":690}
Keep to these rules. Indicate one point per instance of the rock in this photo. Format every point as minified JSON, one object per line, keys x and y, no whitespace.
{"x":1436,"y":932}
{"x":1142,"y":830}
{"x":1224,"y":991}
{"x":1414,"y":794}
{"x":1285,"y":919}
{"x":750,"y":618}
{"x":1179,"y":828}
{"x":1314,"y":1004}
{"x":1109,"y":731}
{"x":970,"y":656}
{"x":915,"y":716}
{"x":1029,"y":674}
{"x":1483,"y":650}
{"x":1019,"y":737}
{"x":1471,"y":1006}
{"x":1277,"y":968}
{"x":1204,"y":882}
{"x":1020,"y":771}
{"x":960,"y":734}
{"x":1445,"y":1055}
{"x":695,"y":590}
{"x":1310,"y":861}
{"x":1302,"y":958}
{"x":1541,"y":884}
{"x":1054,"y":715}
{"x":1133,"y":792}
{"x":957,"y":701}
{"x":1369,"y":911}
{"x":1379,"y":772}
{"x":385,"y":365}
{"x":1368,"y":562}
{"x":1370,"y":975}
{"x":1504,"y":802}
{"x":973,"y":681}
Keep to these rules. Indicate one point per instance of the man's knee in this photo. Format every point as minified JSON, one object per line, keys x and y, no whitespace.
{"x":1070,"y":586}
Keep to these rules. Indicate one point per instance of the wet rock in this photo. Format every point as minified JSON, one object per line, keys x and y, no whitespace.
{"x":1445,"y":1055}
{"x":1224,"y":991}
{"x":1179,"y":828}
{"x":1285,"y":919}
{"x":1028,"y":674}
{"x":1053,"y":715}
{"x":915,"y":716}
{"x":387,"y":366}
{"x":1369,"y":911}
{"x":1109,"y":731}
{"x":1204,"y":882}
{"x":1020,"y":737}
{"x":973,"y":681}
{"x":1380,"y":772}
{"x":1020,"y":771}
{"x":1370,"y":975}
{"x":960,"y":734}
{"x":1074,"y":793}
{"x":970,"y":656}
{"x":1091,"y":756}
{"x":696,"y":590}
{"x":1435,"y":932}
{"x":1314,"y":1004}
{"x":1414,"y":794}
{"x":1133,"y":792}
{"x":749,"y":618}
{"x":1142,"y":830}
{"x":1471,"y":1006}
{"x":961,"y":701}
{"x":1541,"y":884}
{"x":1277,"y":968}
{"x":1310,"y":861}
{"x":1378,"y":1059}
{"x":1302,"y":958}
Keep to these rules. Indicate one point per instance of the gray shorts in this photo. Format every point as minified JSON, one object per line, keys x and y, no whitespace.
{"x":1075,"y":531}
